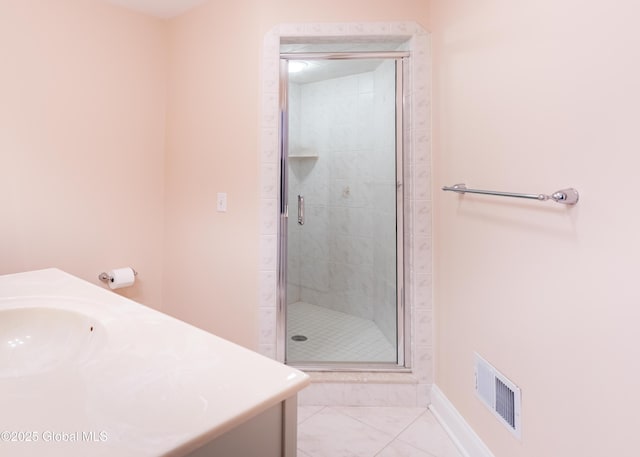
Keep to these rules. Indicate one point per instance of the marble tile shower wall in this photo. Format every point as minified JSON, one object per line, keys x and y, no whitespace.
{"x":343,"y":257}
{"x":350,"y":389}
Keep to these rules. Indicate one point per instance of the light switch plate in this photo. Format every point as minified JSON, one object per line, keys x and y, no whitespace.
{"x":221,"y":204}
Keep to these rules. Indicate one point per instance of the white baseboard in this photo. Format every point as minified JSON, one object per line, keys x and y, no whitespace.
{"x":469,"y":444}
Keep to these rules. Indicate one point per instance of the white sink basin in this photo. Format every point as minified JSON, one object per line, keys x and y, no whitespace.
{"x":36,"y":340}
{"x":140,"y":384}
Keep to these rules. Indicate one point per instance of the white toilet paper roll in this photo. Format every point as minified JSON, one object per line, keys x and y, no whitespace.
{"x":121,"y":277}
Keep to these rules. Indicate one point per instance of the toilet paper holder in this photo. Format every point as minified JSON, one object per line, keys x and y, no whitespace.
{"x":104,"y":277}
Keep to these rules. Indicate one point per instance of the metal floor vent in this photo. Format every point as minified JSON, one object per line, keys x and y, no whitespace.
{"x":499,"y":394}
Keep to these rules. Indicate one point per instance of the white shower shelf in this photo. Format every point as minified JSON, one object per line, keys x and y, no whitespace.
{"x":304,"y":154}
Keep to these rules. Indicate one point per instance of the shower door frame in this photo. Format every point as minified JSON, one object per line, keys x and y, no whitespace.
{"x":403,"y":318}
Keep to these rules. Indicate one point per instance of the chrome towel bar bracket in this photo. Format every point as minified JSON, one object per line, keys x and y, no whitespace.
{"x":567,"y":196}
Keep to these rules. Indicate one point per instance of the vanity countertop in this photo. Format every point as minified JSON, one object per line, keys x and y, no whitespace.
{"x":122,"y":379}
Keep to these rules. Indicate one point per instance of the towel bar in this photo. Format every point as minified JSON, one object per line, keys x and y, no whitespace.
{"x":567,"y":196}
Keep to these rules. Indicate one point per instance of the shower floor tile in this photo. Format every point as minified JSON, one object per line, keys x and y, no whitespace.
{"x":333,"y":336}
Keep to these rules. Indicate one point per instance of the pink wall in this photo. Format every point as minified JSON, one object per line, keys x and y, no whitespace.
{"x":92,"y":93}
{"x":532,"y":97}
{"x":212,"y":146}
{"x":82,"y":121}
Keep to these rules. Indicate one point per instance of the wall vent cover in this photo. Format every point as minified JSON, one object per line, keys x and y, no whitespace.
{"x":499,"y":394}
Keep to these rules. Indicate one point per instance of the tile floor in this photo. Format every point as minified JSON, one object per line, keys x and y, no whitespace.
{"x":333,"y":336}
{"x":328,"y":431}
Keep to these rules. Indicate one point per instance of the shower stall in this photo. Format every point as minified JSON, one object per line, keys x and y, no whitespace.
{"x":342,"y":203}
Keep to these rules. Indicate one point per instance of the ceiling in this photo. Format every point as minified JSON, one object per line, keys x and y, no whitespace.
{"x":159,"y":8}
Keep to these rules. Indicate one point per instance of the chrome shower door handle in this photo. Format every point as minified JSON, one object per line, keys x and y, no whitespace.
{"x":300,"y":210}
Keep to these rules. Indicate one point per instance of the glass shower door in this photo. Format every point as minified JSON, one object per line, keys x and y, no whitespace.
{"x":343,"y":198}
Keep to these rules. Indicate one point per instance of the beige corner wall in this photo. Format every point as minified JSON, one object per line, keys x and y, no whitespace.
{"x":211,"y":274}
{"x":82,"y":117}
{"x":533,"y":97}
